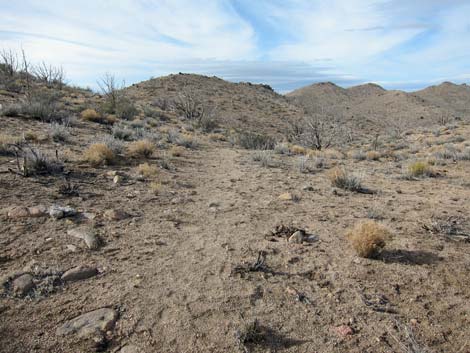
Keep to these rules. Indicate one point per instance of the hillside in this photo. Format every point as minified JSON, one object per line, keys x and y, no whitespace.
{"x":128,"y":227}
{"x":238,"y":105}
{"x":372,"y":107}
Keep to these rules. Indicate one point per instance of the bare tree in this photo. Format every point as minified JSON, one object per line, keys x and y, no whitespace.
{"x":51,"y":75}
{"x":9,"y":63}
{"x":189,"y":105}
{"x":111,"y":90}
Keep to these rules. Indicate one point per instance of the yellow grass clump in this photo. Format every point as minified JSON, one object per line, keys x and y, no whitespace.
{"x":176,"y":151}
{"x":155,"y":187}
{"x":419,"y":169}
{"x":141,"y":149}
{"x":91,"y":115}
{"x":368,"y":238}
{"x":296,"y":149}
{"x":98,"y":153}
{"x":373,"y":155}
{"x":147,"y":170}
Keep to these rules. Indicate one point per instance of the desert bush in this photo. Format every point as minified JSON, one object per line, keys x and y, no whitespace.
{"x":52,"y":76}
{"x":125,"y":109}
{"x":147,"y":170}
{"x":281,"y":148}
{"x":448,"y":152}
{"x":296,"y":149}
{"x":141,"y":149}
{"x":91,"y":115}
{"x":122,"y":132}
{"x":340,"y":178}
{"x":368,"y":238}
{"x":114,"y":144}
{"x":464,"y":155}
{"x":59,"y":132}
{"x":12,"y":110}
{"x":32,"y":161}
{"x":264,"y":157}
{"x":155,"y":187}
{"x":254,"y":141}
{"x":419,"y":169}
{"x":98,"y":154}
{"x":304,"y":164}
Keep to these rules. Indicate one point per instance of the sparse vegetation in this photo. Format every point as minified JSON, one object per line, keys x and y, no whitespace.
{"x":368,"y":238}
{"x":253,"y":141}
{"x":419,"y":169}
{"x":141,"y":149}
{"x":99,"y":154}
{"x":147,"y":170}
{"x":59,"y":132}
{"x":340,"y":178}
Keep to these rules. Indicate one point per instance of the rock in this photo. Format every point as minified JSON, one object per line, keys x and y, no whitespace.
{"x":112,"y":173}
{"x":308,"y":188}
{"x":89,"y":324}
{"x":297,"y":237}
{"x":71,"y":247}
{"x":130,"y":348}
{"x":89,"y":237}
{"x":115,"y":215}
{"x":18,"y":212}
{"x":287,"y":196}
{"x":58,"y":212}
{"x":344,"y":330}
{"x":22,"y":285}
{"x":38,"y":211}
{"x":117,"y":179}
{"x":78,"y":273}
{"x":88,"y":215}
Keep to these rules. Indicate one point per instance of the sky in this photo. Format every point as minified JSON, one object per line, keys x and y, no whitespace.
{"x":399,"y":44}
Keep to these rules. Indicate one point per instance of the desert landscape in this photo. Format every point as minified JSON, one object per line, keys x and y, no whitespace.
{"x":191,"y":214}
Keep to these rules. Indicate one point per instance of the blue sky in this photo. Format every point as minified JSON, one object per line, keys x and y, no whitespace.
{"x":399,"y":44}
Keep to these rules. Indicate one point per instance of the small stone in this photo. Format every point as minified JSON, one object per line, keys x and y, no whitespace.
{"x":90,"y":324}
{"x":23,"y":284}
{"x":89,"y":215}
{"x":38,"y":211}
{"x":112,"y":173}
{"x":117,"y":179}
{"x":344,"y":330}
{"x":79,"y":273}
{"x":307,"y":188}
{"x":89,"y":237}
{"x":287,"y":196}
{"x":18,"y":212}
{"x":297,"y":237}
{"x":115,"y":215}
{"x":58,"y":212}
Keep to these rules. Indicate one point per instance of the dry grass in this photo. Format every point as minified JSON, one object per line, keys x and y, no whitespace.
{"x":91,"y":115}
{"x":5,"y":143}
{"x":340,"y":178}
{"x":98,"y":154}
{"x":368,"y":238}
{"x":155,"y":187}
{"x":141,"y":149}
{"x":373,"y":155}
{"x":419,"y":169}
{"x":147,"y":170}
{"x":176,"y":151}
{"x":295,"y":149}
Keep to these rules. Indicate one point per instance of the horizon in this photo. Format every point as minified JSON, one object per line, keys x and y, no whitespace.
{"x":287,"y":45}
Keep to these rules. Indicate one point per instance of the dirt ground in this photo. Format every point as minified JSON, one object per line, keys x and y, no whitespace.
{"x":180,"y":273}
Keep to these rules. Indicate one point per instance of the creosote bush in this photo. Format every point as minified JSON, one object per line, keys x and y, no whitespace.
{"x":141,"y":149}
{"x":98,"y":154}
{"x":340,"y":178}
{"x":368,"y":238}
{"x":254,"y":141}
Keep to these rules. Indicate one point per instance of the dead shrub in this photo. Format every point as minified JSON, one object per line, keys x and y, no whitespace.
{"x":368,"y":238}
{"x":141,"y":149}
{"x":98,"y":154}
{"x":91,"y":115}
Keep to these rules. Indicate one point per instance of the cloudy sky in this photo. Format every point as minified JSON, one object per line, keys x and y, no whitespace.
{"x":400,"y":44}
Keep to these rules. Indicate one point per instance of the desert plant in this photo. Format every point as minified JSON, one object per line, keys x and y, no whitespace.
{"x":368,"y":238}
{"x":254,"y":141}
{"x":264,"y":157}
{"x":141,"y":149}
{"x":304,"y":164}
{"x":122,"y":132}
{"x":52,"y":76}
{"x":59,"y":132}
{"x":32,"y":161}
{"x":115,"y":145}
{"x":340,"y":178}
{"x":155,"y":187}
{"x":373,"y":155}
{"x":91,"y":115}
{"x":7,"y":143}
{"x":419,"y":169}
{"x":125,"y":109}
{"x":281,"y":148}
{"x":98,"y":154}
{"x":176,"y":151}
{"x":147,"y":170}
